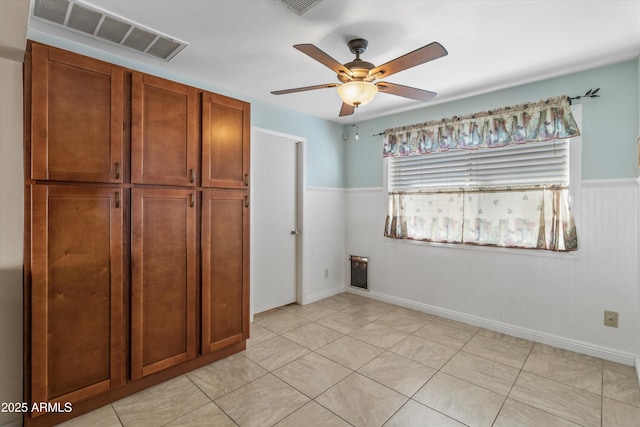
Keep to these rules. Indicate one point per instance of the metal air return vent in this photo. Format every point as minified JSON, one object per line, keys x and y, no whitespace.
{"x":300,"y":6}
{"x":73,"y":15}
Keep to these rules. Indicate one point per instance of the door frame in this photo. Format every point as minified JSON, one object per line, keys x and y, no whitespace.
{"x":301,"y":143}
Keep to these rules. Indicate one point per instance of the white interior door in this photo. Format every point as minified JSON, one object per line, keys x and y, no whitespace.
{"x":274,"y":235}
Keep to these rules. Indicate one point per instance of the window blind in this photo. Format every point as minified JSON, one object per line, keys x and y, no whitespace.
{"x":533,"y":164}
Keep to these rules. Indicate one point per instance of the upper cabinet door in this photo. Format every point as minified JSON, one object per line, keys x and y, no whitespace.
{"x":77,"y":106}
{"x":225,"y":142}
{"x":164,"y":132}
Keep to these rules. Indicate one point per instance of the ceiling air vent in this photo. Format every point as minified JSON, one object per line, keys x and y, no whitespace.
{"x":73,"y":15}
{"x":300,"y":6}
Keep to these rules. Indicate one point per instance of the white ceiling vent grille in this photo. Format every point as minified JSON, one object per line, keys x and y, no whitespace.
{"x":90,"y":21}
{"x":300,"y":6}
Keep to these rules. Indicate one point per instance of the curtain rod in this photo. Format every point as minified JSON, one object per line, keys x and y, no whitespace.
{"x":591,"y":93}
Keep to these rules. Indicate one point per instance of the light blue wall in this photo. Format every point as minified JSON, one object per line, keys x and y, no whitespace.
{"x":610,"y":123}
{"x":325,"y":148}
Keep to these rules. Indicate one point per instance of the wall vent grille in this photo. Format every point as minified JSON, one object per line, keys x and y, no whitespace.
{"x":359,"y":272}
{"x":73,"y":15}
{"x":300,"y":6}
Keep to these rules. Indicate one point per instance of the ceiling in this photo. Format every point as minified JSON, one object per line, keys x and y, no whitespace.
{"x":245,"y":46}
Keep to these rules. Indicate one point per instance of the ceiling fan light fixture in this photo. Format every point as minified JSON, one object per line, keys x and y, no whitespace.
{"x":357,"y":93}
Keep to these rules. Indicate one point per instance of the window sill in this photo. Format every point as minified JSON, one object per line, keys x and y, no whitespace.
{"x":571,"y":256}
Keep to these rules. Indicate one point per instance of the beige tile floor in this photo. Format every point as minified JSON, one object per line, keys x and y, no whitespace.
{"x":350,"y":360}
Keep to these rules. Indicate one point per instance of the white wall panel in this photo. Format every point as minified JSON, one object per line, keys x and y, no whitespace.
{"x":557,"y":298}
{"x":323,"y":238}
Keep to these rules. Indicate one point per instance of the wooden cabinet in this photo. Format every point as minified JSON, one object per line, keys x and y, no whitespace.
{"x":163,"y":286}
{"x":225,"y":268}
{"x":164,"y":132}
{"x":136,"y":270}
{"x":77,"y":107}
{"x":77,"y":342}
{"x":225,"y":142}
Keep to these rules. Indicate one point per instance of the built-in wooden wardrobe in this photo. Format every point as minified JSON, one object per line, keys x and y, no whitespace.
{"x":136,"y":231}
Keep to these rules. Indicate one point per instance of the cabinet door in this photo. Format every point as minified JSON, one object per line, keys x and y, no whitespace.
{"x":225,"y":268}
{"x":164,"y":131}
{"x":163,"y":310}
{"x":77,"y":106}
{"x":76,"y":292}
{"x":225,"y":142}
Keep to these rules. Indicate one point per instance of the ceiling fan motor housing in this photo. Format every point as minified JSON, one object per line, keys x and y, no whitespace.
{"x":359,"y":68}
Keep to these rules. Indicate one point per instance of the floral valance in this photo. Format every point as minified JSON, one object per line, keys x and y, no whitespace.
{"x":541,"y":121}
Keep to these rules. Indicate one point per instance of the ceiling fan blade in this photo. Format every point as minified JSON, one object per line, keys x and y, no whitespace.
{"x":323,"y":58}
{"x":346,"y":109}
{"x":426,"y":53}
{"x":406,"y":91}
{"x":303,"y":89}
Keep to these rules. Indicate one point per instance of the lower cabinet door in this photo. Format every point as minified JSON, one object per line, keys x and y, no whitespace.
{"x":163,"y":279}
{"x":77,"y":339}
{"x":225,"y":268}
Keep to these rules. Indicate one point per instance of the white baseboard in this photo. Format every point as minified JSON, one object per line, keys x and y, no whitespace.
{"x":308,"y":299}
{"x":516,"y":331}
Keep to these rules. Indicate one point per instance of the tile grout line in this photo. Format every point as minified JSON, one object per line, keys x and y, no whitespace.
{"x":513,"y":385}
{"x":313,"y":351}
{"x":211,"y":400}
{"x":388,"y":350}
{"x":117,"y":415}
{"x":356,"y":371}
{"x":602,"y":396}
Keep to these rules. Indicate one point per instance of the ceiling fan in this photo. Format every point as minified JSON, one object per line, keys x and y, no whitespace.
{"x":357,"y":77}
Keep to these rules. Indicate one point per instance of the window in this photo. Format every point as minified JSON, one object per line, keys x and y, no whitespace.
{"x":508,"y":195}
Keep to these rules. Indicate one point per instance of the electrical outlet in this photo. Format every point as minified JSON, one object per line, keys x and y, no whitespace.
{"x":611,"y":318}
{"x":326,"y":273}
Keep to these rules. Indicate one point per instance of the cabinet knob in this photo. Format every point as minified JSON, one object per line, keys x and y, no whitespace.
{"x":246,"y":200}
{"x":192,"y":200}
{"x":192,"y":173}
{"x":117,"y":199}
{"x":118,"y":170}
{"x":246,"y":179}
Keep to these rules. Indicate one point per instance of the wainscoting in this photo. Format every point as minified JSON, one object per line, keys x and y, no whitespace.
{"x":323,"y":243}
{"x":553,"y":298}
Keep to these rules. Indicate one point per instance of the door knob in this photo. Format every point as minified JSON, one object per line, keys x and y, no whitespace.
{"x":294,"y":231}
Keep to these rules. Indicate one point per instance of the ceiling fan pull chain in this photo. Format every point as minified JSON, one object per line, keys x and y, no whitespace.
{"x":356,"y":125}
